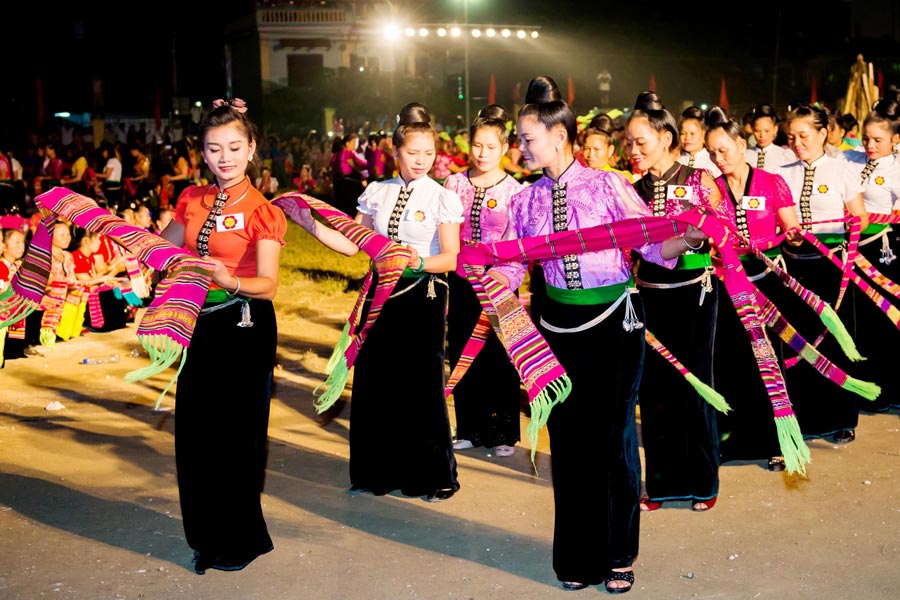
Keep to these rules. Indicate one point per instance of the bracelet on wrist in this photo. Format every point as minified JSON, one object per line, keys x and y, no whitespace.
{"x":421,"y":266}
{"x":697,"y":247}
{"x":236,"y":290}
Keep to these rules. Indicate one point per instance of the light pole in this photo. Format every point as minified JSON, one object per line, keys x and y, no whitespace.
{"x":466,"y":57}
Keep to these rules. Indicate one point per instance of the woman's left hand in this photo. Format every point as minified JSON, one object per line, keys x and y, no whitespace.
{"x":413,"y":259}
{"x":695,"y":235}
{"x":220,"y":275}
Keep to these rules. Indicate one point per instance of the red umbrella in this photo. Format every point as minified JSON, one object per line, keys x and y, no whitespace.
{"x":814,"y":91}
{"x":492,"y":91}
{"x":652,"y":83}
{"x":571,"y":92}
{"x":723,"y":96}
{"x":39,"y":88}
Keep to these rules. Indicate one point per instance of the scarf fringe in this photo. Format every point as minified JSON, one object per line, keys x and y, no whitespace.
{"x":712,"y":397}
{"x":334,"y":386}
{"x":794,"y":450}
{"x":339,"y":349}
{"x":163,"y":352}
{"x":18,"y":307}
{"x":553,"y":393}
{"x":837,"y":328}
{"x":866,"y":389}
{"x":163,"y":393}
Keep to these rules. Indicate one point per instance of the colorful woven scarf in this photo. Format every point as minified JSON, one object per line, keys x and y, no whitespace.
{"x":389,"y":260}
{"x":712,"y":397}
{"x":168,"y":323}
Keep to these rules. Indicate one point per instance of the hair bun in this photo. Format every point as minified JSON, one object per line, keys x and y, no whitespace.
{"x":765,"y":110}
{"x":889,"y":106}
{"x":693,"y":112}
{"x":493,"y":111}
{"x":603,"y":123}
{"x":648,"y":101}
{"x":542,"y":89}
{"x":715,"y":116}
{"x":414,"y":112}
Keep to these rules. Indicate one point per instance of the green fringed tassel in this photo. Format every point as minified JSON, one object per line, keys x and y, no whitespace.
{"x":793,"y":448}
{"x":132,"y":299}
{"x":173,"y":380}
{"x":866,"y":389}
{"x":17,"y":306}
{"x":48,"y":338}
{"x":163,"y":352}
{"x":557,"y":391}
{"x":342,"y":344}
{"x":334,"y":386}
{"x":712,"y":397}
{"x":834,"y":324}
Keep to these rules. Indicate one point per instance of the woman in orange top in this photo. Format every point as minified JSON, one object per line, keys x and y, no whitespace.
{"x":224,"y":392}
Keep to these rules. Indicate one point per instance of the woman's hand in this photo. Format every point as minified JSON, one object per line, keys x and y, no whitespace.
{"x":694,"y":235}
{"x":307,"y":221}
{"x":220,"y":275}
{"x":413,"y":258}
{"x":794,"y":236}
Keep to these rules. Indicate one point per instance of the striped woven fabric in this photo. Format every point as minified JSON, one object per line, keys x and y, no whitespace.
{"x":26,"y":290}
{"x":168,"y":323}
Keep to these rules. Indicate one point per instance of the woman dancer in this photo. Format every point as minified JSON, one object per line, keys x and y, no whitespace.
{"x":487,"y":398}
{"x":588,"y":298}
{"x":823,"y":188}
{"x":757,"y":203}
{"x":678,"y":426}
{"x":693,"y":132}
{"x":767,"y":155}
{"x":225,"y":385}
{"x":400,"y":434}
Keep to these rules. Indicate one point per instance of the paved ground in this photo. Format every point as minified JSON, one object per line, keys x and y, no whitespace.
{"x":89,"y":505}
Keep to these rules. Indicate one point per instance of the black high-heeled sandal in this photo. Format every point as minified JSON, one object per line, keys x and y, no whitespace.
{"x":626,"y":576}
{"x":573,"y":585}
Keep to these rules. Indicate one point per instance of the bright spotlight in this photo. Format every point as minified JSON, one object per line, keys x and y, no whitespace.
{"x":391,"y":32}
{"x":441,"y":32}
{"x":476,"y":33}
{"x":362,"y":69}
{"x":490,"y":32}
{"x":534,"y":35}
{"x":454,"y":31}
{"x":506,"y":33}
{"x":410,"y":32}
{"x":520,"y":34}
{"x":423,"y":32}
{"x":703,"y":107}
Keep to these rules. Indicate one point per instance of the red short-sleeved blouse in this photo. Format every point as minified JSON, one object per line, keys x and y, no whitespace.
{"x":243,"y":222}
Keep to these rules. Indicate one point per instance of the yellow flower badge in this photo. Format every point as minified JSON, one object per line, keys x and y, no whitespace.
{"x":680,"y":192}
{"x":419,"y":216}
{"x":822,"y":189}
{"x":491,"y":203}
{"x":879,"y":180}
{"x":753,"y":203}
{"x":229,"y":222}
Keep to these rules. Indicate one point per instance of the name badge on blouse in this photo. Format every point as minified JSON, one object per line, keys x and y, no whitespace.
{"x":230,"y":222}
{"x":679,"y":192}
{"x":753,"y":203}
{"x":416,"y":216}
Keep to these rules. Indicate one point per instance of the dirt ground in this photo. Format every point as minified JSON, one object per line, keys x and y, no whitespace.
{"x":89,"y":504}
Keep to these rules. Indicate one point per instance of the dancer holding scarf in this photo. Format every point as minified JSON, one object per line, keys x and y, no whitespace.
{"x":756,"y":202}
{"x":823,"y":189}
{"x":223,"y":397}
{"x":592,"y":321}
{"x":678,"y":426}
{"x":487,"y":399}
{"x":879,"y":249}
{"x":400,"y":431}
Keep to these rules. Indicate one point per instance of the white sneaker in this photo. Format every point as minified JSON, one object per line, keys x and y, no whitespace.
{"x":462,"y":445}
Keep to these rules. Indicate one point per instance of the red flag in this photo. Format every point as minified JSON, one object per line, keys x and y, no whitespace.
{"x":652,"y":83}
{"x":492,"y":91}
{"x":880,"y":79}
{"x":158,"y":110}
{"x":39,"y":89}
{"x":814,"y":91}
{"x":723,"y":96}
{"x":571,"y":92}
{"x":517,"y":93}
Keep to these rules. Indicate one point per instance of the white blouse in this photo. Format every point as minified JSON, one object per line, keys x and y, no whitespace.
{"x":775,"y":157}
{"x":881,"y":189}
{"x":834,"y":183}
{"x":428,"y":206}
{"x":702,"y":160}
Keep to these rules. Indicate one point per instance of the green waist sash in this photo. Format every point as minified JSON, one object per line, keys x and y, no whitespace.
{"x":694,"y":261}
{"x":598,"y":295}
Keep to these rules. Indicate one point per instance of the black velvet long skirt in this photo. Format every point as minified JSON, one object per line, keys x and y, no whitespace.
{"x":877,"y":338}
{"x":487,"y":399}
{"x":678,"y":427}
{"x":593,"y":442}
{"x":221,"y":431}
{"x":822,"y":407}
{"x":399,"y":425}
{"x":748,"y":431}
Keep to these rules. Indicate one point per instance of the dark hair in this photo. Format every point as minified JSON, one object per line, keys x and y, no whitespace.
{"x":226,"y":114}
{"x":694,"y":113}
{"x":543,"y":100}
{"x":819,"y":116}
{"x":764,"y":110}
{"x":413,"y":118}
{"x":649,"y":106}
{"x":886,"y":111}
{"x":601,"y":125}
{"x":492,"y":115}
{"x":717,"y":118}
